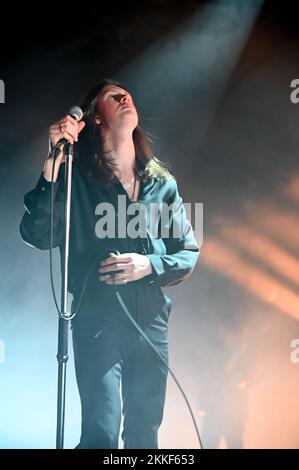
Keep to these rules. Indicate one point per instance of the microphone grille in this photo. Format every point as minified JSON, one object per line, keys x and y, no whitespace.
{"x":76,"y":113}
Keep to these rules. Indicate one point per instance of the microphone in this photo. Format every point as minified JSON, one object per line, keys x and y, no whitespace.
{"x":76,"y":113}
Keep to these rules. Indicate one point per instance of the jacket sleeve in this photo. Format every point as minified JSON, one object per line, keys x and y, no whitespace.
{"x":182,"y":251}
{"x":35,"y":225}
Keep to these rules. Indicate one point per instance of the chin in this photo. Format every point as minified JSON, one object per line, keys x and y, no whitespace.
{"x":130,"y":122}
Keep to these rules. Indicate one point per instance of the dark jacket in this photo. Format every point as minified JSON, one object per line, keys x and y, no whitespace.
{"x":173,"y":259}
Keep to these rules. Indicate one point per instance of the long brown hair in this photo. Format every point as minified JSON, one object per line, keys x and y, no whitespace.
{"x":96,"y":166}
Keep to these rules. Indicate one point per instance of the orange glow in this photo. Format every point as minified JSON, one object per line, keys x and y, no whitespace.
{"x":261,"y":248}
{"x":292,"y":189}
{"x":278,"y":222}
{"x":228,"y":263}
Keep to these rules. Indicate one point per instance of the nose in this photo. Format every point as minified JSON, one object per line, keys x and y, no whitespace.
{"x":125,"y":99}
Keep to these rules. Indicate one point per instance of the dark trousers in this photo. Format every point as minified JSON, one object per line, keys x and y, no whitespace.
{"x":113,"y":360}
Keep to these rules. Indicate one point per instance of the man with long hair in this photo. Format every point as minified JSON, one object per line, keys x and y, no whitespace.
{"x":114,"y":163}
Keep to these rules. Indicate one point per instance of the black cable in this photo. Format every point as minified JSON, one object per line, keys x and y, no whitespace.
{"x":144,"y":335}
{"x":60,"y":314}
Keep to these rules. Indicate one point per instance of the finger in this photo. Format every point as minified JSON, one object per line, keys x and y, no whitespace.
{"x":56,"y":134}
{"x":81,"y":126}
{"x":108,"y":261}
{"x":66,"y":135}
{"x":114,"y":267}
{"x":66,"y":122}
{"x":54,"y":128}
{"x":70,"y":120}
{"x":105,"y":278}
{"x":66,"y":127}
{"x":117,"y":282}
{"x":120,"y":276}
{"x":75,"y":125}
{"x":114,"y":259}
{"x":71,"y":123}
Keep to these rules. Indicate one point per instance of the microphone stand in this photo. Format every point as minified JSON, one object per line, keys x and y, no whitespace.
{"x":63,"y":322}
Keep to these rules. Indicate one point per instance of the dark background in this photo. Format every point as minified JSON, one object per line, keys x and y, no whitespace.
{"x":211,"y":80}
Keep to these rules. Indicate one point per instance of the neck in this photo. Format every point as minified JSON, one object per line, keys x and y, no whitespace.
{"x":122,"y":150}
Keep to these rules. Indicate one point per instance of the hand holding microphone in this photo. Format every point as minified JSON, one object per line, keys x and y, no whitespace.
{"x":66,"y":130}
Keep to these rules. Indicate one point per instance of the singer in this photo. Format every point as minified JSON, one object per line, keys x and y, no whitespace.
{"x":113,"y":157}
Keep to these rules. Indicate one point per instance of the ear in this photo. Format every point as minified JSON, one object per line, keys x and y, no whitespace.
{"x":98,"y":120}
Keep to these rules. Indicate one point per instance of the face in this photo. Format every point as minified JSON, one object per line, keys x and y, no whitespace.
{"x":116,"y":109}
